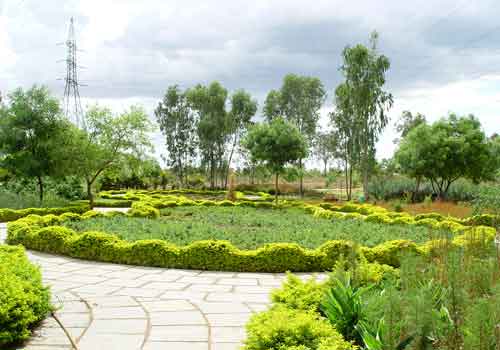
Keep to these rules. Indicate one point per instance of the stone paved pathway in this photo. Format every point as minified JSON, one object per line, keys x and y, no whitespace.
{"x":108,"y":306}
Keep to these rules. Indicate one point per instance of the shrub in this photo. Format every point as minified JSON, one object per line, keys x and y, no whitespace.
{"x":13,"y":214}
{"x":390,"y":253}
{"x":144,"y":210}
{"x":299,"y":295}
{"x":282,"y":328}
{"x":23,"y":300}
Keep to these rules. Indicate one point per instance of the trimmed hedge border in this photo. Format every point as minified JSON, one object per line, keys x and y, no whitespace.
{"x":7,"y":214}
{"x":42,"y":233}
{"x":24,"y":301}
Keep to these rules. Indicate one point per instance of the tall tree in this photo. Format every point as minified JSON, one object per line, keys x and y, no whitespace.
{"x":298,"y":101}
{"x":362,"y":100}
{"x":276,"y":143}
{"x":178,"y":124}
{"x":108,"y":140}
{"x":243,"y":108}
{"x":342,"y":119}
{"x":214,"y":127}
{"x":447,"y":150}
{"x":326,"y":147}
{"x":407,"y":122}
{"x":33,"y":136}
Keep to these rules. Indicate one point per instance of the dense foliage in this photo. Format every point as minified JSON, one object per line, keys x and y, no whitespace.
{"x":276,"y":143}
{"x":34,"y":136}
{"x":449,"y":300}
{"x":24,"y":301}
{"x":454,"y":148}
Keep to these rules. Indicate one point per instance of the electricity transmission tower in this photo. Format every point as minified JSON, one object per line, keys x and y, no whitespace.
{"x":71,"y":101}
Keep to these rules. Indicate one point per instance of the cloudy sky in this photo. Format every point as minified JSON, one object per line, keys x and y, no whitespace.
{"x":445,"y":54}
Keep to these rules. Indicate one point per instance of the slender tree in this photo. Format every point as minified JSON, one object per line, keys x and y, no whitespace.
{"x":408,"y":121}
{"x":364,"y":101}
{"x":243,"y":108}
{"x":214,"y":126}
{"x":178,"y":124}
{"x":298,"y":101}
{"x":326,"y":148}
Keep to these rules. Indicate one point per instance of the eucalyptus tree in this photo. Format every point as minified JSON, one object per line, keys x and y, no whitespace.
{"x":298,"y":101}
{"x":363,"y":101}
{"x":326,"y":147}
{"x":408,"y":121}
{"x":177,"y":123}
{"x":243,"y":108}
{"x":214,"y":126}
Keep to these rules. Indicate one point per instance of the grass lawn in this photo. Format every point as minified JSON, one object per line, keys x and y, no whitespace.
{"x":249,"y":228}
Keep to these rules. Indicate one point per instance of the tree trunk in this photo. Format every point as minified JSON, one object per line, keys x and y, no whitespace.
{"x":365,"y":178}
{"x":40,"y":189}
{"x":417,"y":187}
{"x":301,"y":179}
{"x":325,"y":162}
{"x":276,"y":188}
{"x":350,"y":183}
{"x":230,"y":158}
{"x":90,"y":195}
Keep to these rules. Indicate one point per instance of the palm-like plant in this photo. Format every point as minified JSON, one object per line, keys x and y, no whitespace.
{"x":373,"y":336}
{"x":344,"y":307}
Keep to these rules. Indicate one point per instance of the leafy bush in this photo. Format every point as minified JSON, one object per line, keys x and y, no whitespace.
{"x":282,"y":328}
{"x":23,"y":299}
{"x":299,"y":295}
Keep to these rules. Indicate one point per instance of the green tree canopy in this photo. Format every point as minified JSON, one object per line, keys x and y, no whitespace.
{"x":449,"y":149}
{"x":178,"y":124}
{"x":33,"y":136}
{"x":214,"y":126}
{"x":108,"y":140}
{"x":276,"y":144}
{"x":298,"y":101}
{"x":362,"y":104}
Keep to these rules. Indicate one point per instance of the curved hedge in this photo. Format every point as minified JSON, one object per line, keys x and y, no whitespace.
{"x":43,"y":233}
{"x":23,"y":299}
{"x":7,"y":214}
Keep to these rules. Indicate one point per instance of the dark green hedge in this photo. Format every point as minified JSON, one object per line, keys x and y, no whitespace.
{"x":23,"y":299}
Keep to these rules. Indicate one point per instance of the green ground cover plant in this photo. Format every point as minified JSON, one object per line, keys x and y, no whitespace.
{"x":23,"y":300}
{"x":250,"y":228}
{"x":447,"y":300}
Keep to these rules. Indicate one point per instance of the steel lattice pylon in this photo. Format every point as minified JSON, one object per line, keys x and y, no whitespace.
{"x":71,"y":101}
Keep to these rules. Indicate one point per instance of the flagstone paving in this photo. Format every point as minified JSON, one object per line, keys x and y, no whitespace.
{"x":106,"y":306}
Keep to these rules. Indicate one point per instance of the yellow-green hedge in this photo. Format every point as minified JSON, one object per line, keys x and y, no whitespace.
{"x":43,"y":233}
{"x":24,"y":301}
{"x":7,"y":214}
